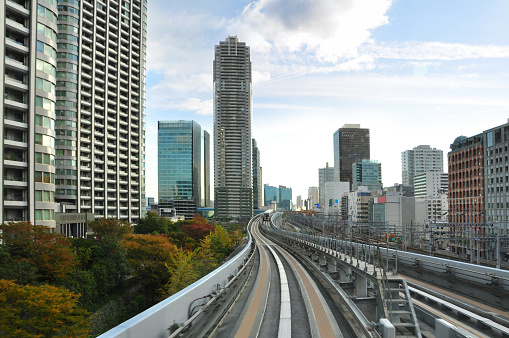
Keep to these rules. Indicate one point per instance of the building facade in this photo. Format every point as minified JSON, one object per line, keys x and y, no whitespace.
{"x":420,"y":160}
{"x":324,"y":175}
{"x":496,"y":192}
{"x":367,"y":173}
{"x":180,"y":166}
{"x":28,"y":106}
{"x":285,"y":198}
{"x":206,"y":170}
{"x":233,"y":189}
{"x":351,"y":145}
{"x":430,"y":184}
{"x":334,"y":192}
{"x":466,"y":189}
{"x":257,"y":177}
{"x":312,"y":197}
{"x":270,"y":195}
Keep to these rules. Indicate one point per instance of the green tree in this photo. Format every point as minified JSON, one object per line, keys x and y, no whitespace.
{"x":102,"y":269}
{"x":110,"y":227}
{"x":40,"y":311}
{"x":21,"y":271}
{"x":152,"y":223}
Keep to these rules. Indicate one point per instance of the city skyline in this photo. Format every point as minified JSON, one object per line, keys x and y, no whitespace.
{"x":412,"y":73}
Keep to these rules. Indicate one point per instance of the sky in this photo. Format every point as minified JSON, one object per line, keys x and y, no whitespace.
{"x":413,"y":72}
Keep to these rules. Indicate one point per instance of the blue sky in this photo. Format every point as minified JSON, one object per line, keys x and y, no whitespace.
{"x":413,"y":72}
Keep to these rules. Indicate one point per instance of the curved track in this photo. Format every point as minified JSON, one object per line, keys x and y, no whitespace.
{"x":283,"y":300}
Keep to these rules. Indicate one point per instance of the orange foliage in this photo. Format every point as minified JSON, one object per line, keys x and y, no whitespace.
{"x":50,"y":253}
{"x":40,"y":311}
{"x":149,"y":256}
{"x":198,"y":228}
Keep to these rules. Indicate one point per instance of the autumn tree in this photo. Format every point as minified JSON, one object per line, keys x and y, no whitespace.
{"x":49,"y":253}
{"x":40,"y":311}
{"x":149,"y":256}
{"x":198,"y":228}
{"x":110,"y":227}
{"x":182,"y":270}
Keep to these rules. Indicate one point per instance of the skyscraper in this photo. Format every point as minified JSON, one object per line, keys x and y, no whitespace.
{"x":101,"y":98}
{"x":351,"y":145}
{"x":420,"y":160}
{"x":257,"y":177}
{"x":29,"y":48}
{"x":75,"y":86}
{"x":233,"y":195}
{"x":180,"y":166}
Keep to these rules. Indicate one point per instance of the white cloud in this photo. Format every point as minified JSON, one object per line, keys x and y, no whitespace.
{"x":328,"y":29}
{"x":199,"y":106}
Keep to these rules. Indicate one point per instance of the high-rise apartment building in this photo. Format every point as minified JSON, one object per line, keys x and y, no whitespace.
{"x":367,"y":173}
{"x":233,"y":195}
{"x":28,"y":79}
{"x":180,"y":179}
{"x":324,"y":175}
{"x":351,"y":145}
{"x":73,"y":109}
{"x":419,"y":160}
{"x":257,"y":177}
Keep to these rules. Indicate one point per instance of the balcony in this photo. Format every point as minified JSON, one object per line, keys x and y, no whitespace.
{"x":16,"y":62}
{"x":14,"y":160}
{"x":16,"y":25}
{"x":14,"y":141}
{"x":17,"y":44}
{"x":15,"y":181}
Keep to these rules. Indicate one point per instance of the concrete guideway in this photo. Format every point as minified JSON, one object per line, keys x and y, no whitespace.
{"x":317,"y":320}
{"x":370,"y":285}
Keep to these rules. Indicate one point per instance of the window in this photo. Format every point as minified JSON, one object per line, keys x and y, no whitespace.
{"x":43,"y":158}
{"x":46,"y":13}
{"x":44,"y":140}
{"x":46,"y":49}
{"x":44,"y":121}
{"x":45,"y":103}
{"x":46,"y":68}
{"x":45,"y":85}
{"x":46,"y":31}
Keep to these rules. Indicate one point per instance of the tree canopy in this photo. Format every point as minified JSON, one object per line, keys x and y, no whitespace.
{"x":40,"y":311}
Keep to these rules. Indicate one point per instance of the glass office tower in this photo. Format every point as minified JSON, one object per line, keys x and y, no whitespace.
{"x":179,"y":166}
